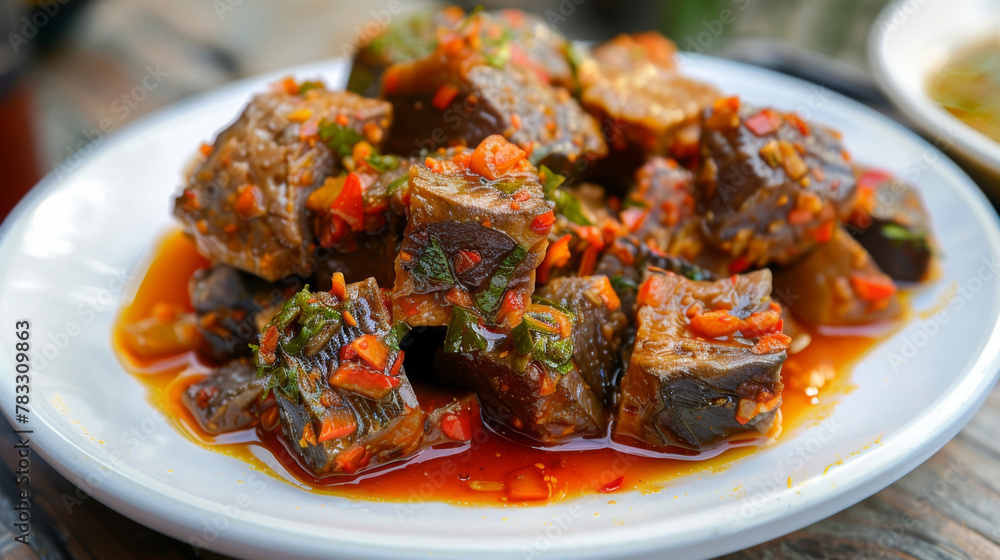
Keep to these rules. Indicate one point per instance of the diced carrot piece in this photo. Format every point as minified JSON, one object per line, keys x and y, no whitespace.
{"x":763,"y":123}
{"x":760,"y":323}
{"x":739,"y":264}
{"x":769,"y":343}
{"x":872,"y":288}
{"x":526,"y":484}
{"x":289,"y":85}
{"x":588,"y":262}
{"x":372,"y":350}
{"x":249,"y":202}
{"x":798,"y":123}
{"x":608,"y":294}
{"x":269,"y":345}
{"x":206,"y":149}
{"x":339,"y":288}
{"x":799,"y":216}
{"x":444,"y":96}
{"x":495,"y":157}
{"x":557,"y":255}
{"x":715,"y":323}
{"x":352,"y":459}
{"x":824,"y":232}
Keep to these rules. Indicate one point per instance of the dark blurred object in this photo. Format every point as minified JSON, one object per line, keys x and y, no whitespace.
{"x":17,"y":147}
{"x":26,"y":27}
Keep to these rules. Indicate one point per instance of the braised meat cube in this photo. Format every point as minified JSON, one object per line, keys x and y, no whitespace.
{"x":598,"y":328}
{"x":627,"y":262}
{"x":457,"y":96}
{"x":838,"y":284}
{"x":372,"y":256}
{"x":227,"y":399}
{"x":584,"y":224}
{"x":526,"y":379}
{"x":706,"y":364}
{"x":333,"y":362}
{"x":231,"y":306}
{"x":402,"y":40}
{"x":358,"y":221}
{"x":633,"y":82}
{"x":771,"y":186}
{"x":505,"y":35}
{"x":660,"y":210}
{"x":525,"y":39}
{"x":475,"y":235}
{"x":891,"y":223}
{"x":245,"y":201}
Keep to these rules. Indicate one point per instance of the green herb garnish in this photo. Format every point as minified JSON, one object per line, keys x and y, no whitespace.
{"x":464,"y":334}
{"x":567,"y":204}
{"x":383,"y":163}
{"x":489,"y":300}
{"x":432,"y":266}
{"x":339,"y":138}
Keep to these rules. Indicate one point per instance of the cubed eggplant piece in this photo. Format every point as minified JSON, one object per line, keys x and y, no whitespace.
{"x":470,"y":241}
{"x":227,"y":399}
{"x":838,"y":284}
{"x":627,"y":263}
{"x":891,"y":223}
{"x":633,"y":82}
{"x":457,"y":96}
{"x":526,"y":379}
{"x":706,"y":367}
{"x":231,"y":305}
{"x":245,"y":201}
{"x":332,"y":361}
{"x":660,"y":210}
{"x":598,"y":329}
{"x":771,"y":186}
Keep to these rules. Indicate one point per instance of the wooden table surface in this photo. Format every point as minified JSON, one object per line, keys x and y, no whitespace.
{"x":949,"y":507}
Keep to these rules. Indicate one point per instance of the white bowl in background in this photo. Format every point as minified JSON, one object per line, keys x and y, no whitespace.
{"x":910,"y":41}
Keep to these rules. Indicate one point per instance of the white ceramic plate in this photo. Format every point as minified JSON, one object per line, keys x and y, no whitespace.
{"x":72,"y":243}
{"x":910,"y":42}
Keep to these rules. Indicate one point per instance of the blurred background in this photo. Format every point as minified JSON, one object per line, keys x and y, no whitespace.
{"x":73,"y":71}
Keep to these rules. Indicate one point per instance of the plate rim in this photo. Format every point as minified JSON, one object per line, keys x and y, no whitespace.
{"x":176,"y":516}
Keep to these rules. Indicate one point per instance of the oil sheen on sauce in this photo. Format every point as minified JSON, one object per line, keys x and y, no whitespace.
{"x":814,"y":378}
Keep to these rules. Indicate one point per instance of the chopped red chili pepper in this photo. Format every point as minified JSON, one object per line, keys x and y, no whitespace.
{"x":543,"y":223}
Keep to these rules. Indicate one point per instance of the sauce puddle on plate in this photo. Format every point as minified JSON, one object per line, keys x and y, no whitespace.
{"x":464,"y":474}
